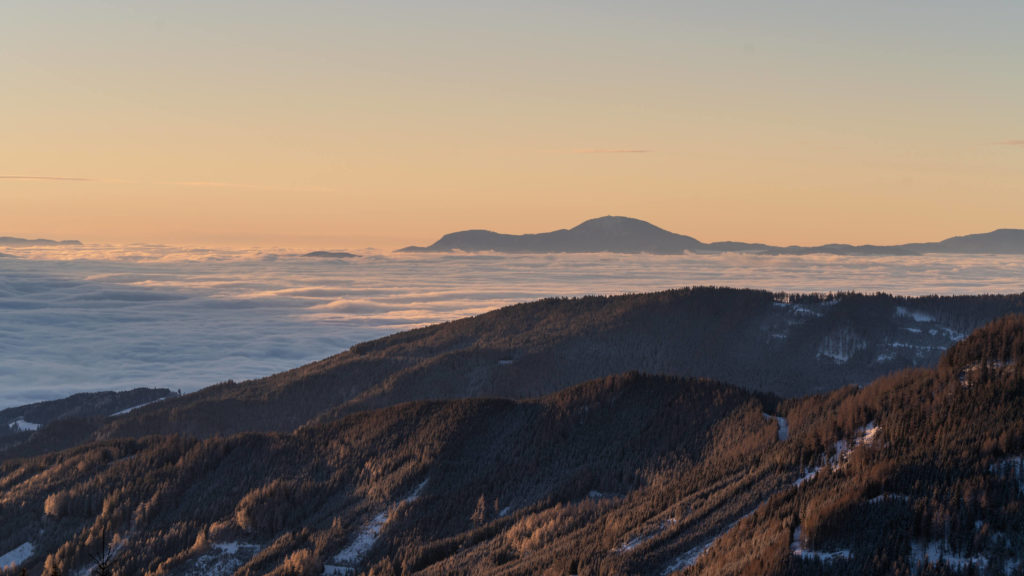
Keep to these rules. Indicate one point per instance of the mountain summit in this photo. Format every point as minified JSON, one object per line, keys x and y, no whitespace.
{"x":631,"y":236}
{"x":607,"y":234}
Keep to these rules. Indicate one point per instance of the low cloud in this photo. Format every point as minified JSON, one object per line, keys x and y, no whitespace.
{"x":84,"y":318}
{"x":1012,"y":143}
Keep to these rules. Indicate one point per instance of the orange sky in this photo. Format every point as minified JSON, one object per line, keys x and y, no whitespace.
{"x":384,"y":124}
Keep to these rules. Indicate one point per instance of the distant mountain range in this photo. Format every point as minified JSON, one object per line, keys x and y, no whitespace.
{"x":632,"y":236}
{"x":12,"y":241}
{"x":329,"y":254}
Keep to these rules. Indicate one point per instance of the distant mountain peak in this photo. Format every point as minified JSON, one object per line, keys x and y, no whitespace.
{"x":604,"y":234}
{"x":616,"y":223}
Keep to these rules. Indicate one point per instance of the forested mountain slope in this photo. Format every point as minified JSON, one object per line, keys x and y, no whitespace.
{"x":918,"y":473}
{"x":19,"y":422}
{"x":787,"y":345}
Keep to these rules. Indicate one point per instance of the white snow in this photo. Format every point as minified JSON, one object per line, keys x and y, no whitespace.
{"x":809,"y":474}
{"x":504,"y":511}
{"x":364,"y":541}
{"x":20,"y":425}
{"x":690,"y":557}
{"x":224,"y":559}
{"x":233,"y":547}
{"x":865,"y":437}
{"x":917,"y":316}
{"x":887,"y":497}
{"x":127,"y":410}
{"x":630,"y":545}
{"x":841,"y":345}
{"x":937,"y":551}
{"x":783,"y":426}
{"x":415,"y":493}
{"x":1011,"y":468}
{"x":17,"y":556}
{"x":797,"y":549}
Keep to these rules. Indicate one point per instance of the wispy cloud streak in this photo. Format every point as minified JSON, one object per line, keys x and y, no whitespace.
{"x":612,"y":151}
{"x":46,"y":178}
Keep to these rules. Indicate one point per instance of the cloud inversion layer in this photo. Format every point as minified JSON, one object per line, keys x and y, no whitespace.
{"x":93,"y":317}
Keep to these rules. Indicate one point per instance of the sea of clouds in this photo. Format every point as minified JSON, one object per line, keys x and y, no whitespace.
{"x":106,"y":317}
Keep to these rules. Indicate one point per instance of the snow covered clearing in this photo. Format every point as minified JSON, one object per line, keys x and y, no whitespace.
{"x":936,"y":551}
{"x":20,"y":425}
{"x":865,"y":437}
{"x":347,"y":560}
{"x":902,"y":312}
{"x":17,"y":556}
{"x":783,"y":426}
{"x":637,"y":540}
{"x":633,"y":542}
{"x":1011,"y":469}
{"x":797,"y":549}
{"x":690,"y":557}
{"x":841,"y":346}
{"x":354,"y":552}
{"x":809,"y":474}
{"x":224,"y":559}
{"x":127,"y":410}
{"x":889,"y":498}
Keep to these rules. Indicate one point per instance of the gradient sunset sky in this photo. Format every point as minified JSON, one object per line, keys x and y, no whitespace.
{"x":352,"y":124}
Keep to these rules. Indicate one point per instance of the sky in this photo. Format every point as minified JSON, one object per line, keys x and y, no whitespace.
{"x":385,"y":123}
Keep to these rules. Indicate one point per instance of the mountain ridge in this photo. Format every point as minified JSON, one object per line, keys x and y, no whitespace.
{"x":918,"y":472}
{"x":620,"y":234}
{"x":12,"y":241}
{"x":786,"y":344}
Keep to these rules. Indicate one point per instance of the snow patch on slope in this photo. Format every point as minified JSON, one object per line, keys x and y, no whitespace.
{"x":17,"y":556}
{"x":127,"y":410}
{"x":350,"y":557}
{"x":20,"y":425}
{"x":224,"y":559}
{"x":783,"y":426}
{"x":866,"y":436}
{"x":937,"y":551}
{"x":690,"y":557}
{"x":841,"y":345}
{"x":902,"y":312}
{"x":1011,"y":469}
{"x":797,"y":549}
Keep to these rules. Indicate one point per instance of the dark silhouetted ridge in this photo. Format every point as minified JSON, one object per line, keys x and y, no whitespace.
{"x":632,"y":236}
{"x":11,"y":241}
